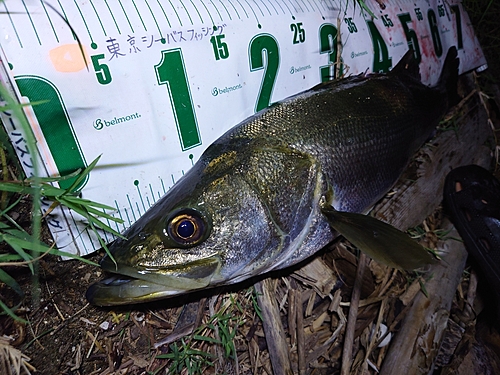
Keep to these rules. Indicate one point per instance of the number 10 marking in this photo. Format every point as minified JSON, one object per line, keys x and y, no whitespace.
{"x":172,"y":72}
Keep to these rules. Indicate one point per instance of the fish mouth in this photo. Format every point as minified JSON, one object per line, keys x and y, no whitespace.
{"x":132,"y":285}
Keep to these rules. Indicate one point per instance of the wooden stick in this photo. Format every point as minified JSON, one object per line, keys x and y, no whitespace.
{"x":301,"y":353}
{"x":273,"y":328}
{"x":415,"y":346}
{"x":353,"y":314}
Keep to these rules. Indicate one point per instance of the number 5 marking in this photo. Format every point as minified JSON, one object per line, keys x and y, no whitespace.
{"x":172,"y":72}
{"x":264,"y":54}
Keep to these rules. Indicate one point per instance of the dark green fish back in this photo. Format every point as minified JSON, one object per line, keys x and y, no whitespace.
{"x":362,"y":131}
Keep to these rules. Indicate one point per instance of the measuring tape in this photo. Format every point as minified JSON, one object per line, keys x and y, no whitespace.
{"x":162,"y":79}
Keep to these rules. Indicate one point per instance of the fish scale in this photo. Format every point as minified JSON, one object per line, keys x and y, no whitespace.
{"x":276,"y":188}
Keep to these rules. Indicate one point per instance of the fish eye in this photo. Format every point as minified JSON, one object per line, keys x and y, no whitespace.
{"x":187,"y":227}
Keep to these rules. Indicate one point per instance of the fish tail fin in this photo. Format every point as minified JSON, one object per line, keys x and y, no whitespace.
{"x":448,"y":80}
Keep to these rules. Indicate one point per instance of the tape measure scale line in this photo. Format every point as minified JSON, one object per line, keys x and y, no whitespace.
{"x":246,"y":14}
{"x":113,"y":17}
{"x":31,"y":21}
{"x":139,"y":14}
{"x":50,"y":21}
{"x":154,"y":18}
{"x":228,"y":14}
{"x":84,"y":22}
{"x":126,"y":16}
{"x":98,"y":18}
{"x":208,"y":12}
{"x":12,"y":23}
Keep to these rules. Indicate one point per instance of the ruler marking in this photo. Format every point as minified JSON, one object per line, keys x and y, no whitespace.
{"x":177,"y":14}
{"x":131,"y":208}
{"x":204,"y":6}
{"x":293,"y":5}
{"x":50,"y":20}
{"x":315,"y":3}
{"x":138,"y":209}
{"x":109,"y":225}
{"x":229,"y":14}
{"x":307,"y":8}
{"x":284,"y":2}
{"x":66,"y":19}
{"x":253,"y":12}
{"x":98,"y":18}
{"x":163,"y":187}
{"x":242,"y":7}
{"x":154,"y":18}
{"x":140,"y":197}
{"x":185,"y":9}
{"x":217,"y":10}
{"x":32,"y":24}
{"x":152,"y":194}
{"x":126,"y":16}
{"x":277,"y":2}
{"x":84,"y":21}
{"x":237,"y":14}
{"x":78,"y":231}
{"x":257,"y":5}
{"x":322,"y":6}
{"x":121,"y":217}
{"x":263,"y":3}
{"x":12,"y":23}
{"x":165,"y":14}
{"x":113,"y":16}
{"x":303,"y":2}
{"x":199,"y":15}
{"x":300,"y":8}
{"x":139,"y":14}
{"x":128,"y":218}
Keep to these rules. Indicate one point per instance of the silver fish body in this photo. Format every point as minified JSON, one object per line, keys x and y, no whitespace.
{"x":254,"y":201}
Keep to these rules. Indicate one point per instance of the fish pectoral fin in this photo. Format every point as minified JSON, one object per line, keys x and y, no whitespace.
{"x":379,"y":240}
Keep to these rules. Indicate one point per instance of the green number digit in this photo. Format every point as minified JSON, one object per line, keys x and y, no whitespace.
{"x":387,"y":21}
{"x":411,"y":35}
{"x":458,"y":19}
{"x":351,"y":26}
{"x":436,"y":39}
{"x":101,"y":70}
{"x":441,"y":11}
{"x":299,"y":34}
{"x":172,"y":73}
{"x":382,"y":62}
{"x":419,"y":14}
{"x":302,"y":32}
{"x":328,"y":45}
{"x":293,"y":28}
{"x":56,"y":126}
{"x":221,"y":51}
{"x":264,"y":54}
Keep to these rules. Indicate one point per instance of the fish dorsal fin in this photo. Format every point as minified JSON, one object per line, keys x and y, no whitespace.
{"x":407,"y":66}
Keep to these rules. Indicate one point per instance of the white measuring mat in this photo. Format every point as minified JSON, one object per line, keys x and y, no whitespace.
{"x":165,"y":78}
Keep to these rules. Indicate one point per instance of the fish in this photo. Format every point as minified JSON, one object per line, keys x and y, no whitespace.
{"x":281,"y":185}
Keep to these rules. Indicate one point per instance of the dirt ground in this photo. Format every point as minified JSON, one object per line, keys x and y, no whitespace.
{"x":221,"y":332}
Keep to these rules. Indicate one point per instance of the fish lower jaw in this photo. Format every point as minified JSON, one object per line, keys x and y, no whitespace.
{"x":132,"y":285}
{"x":123,"y":290}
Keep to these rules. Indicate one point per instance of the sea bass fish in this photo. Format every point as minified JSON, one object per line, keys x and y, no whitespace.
{"x":281,"y":185}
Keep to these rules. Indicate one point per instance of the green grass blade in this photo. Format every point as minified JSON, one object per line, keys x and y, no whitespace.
{"x":6,"y":309}
{"x":9,"y":280}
